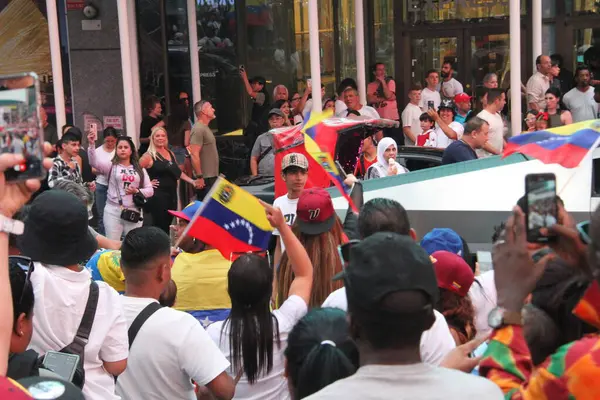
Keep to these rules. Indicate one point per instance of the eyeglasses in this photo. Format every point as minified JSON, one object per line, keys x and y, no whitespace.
{"x":583,"y":228}
{"x":26,"y":264}
{"x":529,"y":119}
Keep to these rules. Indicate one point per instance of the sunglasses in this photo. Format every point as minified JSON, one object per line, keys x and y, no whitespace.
{"x":583,"y":228}
{"x":26,"y":264}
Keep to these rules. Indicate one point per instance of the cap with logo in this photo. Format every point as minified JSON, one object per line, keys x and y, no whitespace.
{"x":447,"y":105}
{"x":385,"y":263}
{"x":294,"y":160}
{"x":188,"y":212}
{"x":276,"y":111}
{"x":315,"y":213}
{"x":452,"y":272}
{"x":462,"y":98}
{"x":442,"y":239}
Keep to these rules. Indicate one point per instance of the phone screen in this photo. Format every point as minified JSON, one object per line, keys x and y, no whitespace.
{"x":542,"y":211}
{"x":430,"y":105}
{"x":62,"y":364}
{"x":21,"y":122}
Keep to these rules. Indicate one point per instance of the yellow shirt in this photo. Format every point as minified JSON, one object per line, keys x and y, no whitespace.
{"x":201,"y":280}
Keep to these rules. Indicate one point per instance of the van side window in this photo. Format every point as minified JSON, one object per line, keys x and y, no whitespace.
{"x":596,"y":177}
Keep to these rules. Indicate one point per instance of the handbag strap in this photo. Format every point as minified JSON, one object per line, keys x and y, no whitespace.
{"x":139,"y":321}
{"x":80,"y":340}
{"x":110,"y":177}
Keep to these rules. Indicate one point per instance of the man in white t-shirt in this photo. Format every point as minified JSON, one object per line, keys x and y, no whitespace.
{"x":430,"y":97}
{"x":391,"y":290}
{"x":352,"y":101}
{"x":56,"y":236}
{"x":496,"y":100}
{"x":171,"y":347}
{"x":386,"y":215}
{"x":411,"y":125}
{"x":449,"y":86}
{"x":447,"y":130}
{"x":580,"y":100}
{"x":294,"y":171}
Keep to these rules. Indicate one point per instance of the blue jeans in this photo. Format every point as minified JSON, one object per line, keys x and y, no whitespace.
{"x":101,"y":191}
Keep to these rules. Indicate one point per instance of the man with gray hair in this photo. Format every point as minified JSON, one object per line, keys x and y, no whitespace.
{"x":474,"y":137}
{"x":490,"y":80}
{"x":280,"y":93}
{"x":203,"y":149}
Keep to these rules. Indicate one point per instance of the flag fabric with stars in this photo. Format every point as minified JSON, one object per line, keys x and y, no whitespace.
{"x":231,"y":220}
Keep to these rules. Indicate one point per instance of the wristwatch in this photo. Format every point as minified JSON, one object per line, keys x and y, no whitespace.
{"x":11,"y":226}
{"x":199,"y":176}
{"x":499,"y":317}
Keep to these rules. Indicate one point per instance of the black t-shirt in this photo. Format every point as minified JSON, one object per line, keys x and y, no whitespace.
{"x":146,"y":126}
{"x":458,"y":151}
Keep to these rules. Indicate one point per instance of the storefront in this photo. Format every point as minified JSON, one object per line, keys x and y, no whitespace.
{"x":270,"y":38}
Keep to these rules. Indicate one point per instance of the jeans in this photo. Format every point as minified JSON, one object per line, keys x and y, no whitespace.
{"x":113,"y":224}
{"x":101,"y":191}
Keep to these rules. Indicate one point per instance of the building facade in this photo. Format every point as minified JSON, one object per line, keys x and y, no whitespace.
{"x":270,"y":38}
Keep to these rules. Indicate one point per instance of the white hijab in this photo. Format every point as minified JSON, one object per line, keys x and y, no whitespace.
{"x":382,"y":163}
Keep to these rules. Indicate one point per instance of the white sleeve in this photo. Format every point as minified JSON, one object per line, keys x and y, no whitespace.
{"x":340,"y":108}
{"x":115,"y":346}
{"x":290,"y":312}
{"x":199,"y":356}
{"x":276,"y":204}
{"x":458,"y":128}
{"x":337,"y":299}
{"x":437,"y":341}
{"x":459,"y":88}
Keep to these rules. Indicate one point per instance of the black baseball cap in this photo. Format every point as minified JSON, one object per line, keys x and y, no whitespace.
{"x":385,"y":263}
{"x":49,"y":388}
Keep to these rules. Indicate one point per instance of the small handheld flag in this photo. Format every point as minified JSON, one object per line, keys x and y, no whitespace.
{"x":231,"y":220}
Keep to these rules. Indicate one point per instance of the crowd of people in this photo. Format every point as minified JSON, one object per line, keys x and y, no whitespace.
{"x":360,"y":308}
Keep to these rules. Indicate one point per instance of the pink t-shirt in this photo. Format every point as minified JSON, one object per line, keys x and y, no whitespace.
{"x":387,"y":109}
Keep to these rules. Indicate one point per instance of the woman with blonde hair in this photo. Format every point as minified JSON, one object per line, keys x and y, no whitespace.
{"x":320,"y":231}
{"x":161,"y":164}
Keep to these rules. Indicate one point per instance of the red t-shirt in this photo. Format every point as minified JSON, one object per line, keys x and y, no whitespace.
{"x":362,"y":160}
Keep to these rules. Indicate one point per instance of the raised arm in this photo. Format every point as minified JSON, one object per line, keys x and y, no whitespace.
{"x":301,"y":265}
{"x":102,"y":167}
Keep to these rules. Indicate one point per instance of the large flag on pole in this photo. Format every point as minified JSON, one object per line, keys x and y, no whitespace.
{"x":231,"y":220}
{"x":567,"y":145}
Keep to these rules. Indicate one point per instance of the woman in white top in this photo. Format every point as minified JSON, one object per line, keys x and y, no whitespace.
{"x":106,"y":152}
{"x":386,"y":164}
{"x":253,"y":338}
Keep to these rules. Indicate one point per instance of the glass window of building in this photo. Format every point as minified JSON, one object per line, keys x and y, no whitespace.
{"x":490,"y":54}
{"x":434,"y":11}
{"x":584,"y":7}
{"x":347,"y":41}
{"x":384,"y":33}
{"x":430,"y":53}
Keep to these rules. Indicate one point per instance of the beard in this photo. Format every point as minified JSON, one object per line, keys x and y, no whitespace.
{"x":445,"y":75}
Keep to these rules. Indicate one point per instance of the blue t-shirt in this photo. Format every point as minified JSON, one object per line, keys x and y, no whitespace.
{"x":460,"y":119}
{"x":458,"y":151}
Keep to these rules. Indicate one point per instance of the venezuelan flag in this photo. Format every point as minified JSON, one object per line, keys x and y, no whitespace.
{"x":326,"y":162}
{"x":231,"y":220}
{"x":567,"y":145}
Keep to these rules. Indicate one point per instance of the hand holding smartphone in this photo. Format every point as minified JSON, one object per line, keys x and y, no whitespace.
{"x":309,"y":83}
{"x":541,"y":208}
{"x":94,"y":131}
{"x":430,"y":105}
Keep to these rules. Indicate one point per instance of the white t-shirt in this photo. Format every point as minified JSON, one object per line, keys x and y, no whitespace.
{"x":450,"y":89}
{"x":435,"y":342}
{"x":581,"y":104}
{"x":484,"y":298}
{"x":410,"y":118}
{"x":106,"y":158}
{"x":496,"y":136}
{"x":413,"y":381}
{"x":288,"y":209}
{"x":61,"y":298}
{"x":442,"y":141}
{"x":169,"y":350}
{"x":340,"y":108}
{"x":366,"y":111}
{"x":430,"y":95}
{"x":272,"y":386}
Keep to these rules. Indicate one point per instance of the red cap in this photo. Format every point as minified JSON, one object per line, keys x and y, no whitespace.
{"x":452,"y":272}
{"x":462,"y":98}
{"x":315,"y":213}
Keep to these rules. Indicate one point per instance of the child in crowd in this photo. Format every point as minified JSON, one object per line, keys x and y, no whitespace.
{"x":427,"y":137}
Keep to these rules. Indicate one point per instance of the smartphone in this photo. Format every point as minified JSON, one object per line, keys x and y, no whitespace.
{"x":541,"y":206}
{"x":309,"y":83}
{"x":63,"y":364}
{"x":430,"y":105}
{"x":94,"y":130}
{"x":242,"y":67}
{"x":21,"y":129}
